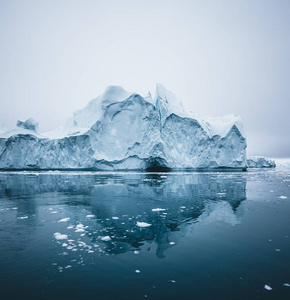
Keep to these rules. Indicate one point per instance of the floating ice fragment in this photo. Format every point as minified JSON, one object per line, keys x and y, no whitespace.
{"x":115,"y":218}
{"x":21,"y":218}
{"x":80,"y":228}
{"x":106,"y":238}
{"x":54,"y":212}
{"x":158,"y":209}
{"x":221,"y":194}
{"x":286,"y":284}
{"x":171,"y":280}
{"x":64,"y":220}
{"x":90,"y":216}
{"x":283,"y":197}
{"x":143,"y":224}
{"x":137,"y":271}
{"x":64,"y":244}
{"x":70,"y":227}
{"x":172,"y":243}
{"x":59,"y":236}
{"x":278,"y":250}
{"x":267,"y":287}
{"x":136,"y":252}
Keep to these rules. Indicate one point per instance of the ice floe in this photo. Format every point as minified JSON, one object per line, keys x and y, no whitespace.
{"x":60,"y":236}
{"x":64,"y":220}
{"x":143,"y":224}
{"x":158,"y":209}
{"x":267,"y":287}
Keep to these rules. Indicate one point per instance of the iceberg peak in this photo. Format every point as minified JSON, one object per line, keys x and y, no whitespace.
{"x":86,"y":117}
{"x":29,"y":124}
{"x":167,"y":103}
{"x":114,"y":93}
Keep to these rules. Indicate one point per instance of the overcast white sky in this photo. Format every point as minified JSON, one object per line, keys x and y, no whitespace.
{"x":218,"y":57}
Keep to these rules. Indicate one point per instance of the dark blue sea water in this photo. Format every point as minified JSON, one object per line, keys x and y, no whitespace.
{"x":77,"y":235}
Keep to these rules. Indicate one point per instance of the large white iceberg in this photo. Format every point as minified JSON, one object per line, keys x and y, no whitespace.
{"x":121,"y":130}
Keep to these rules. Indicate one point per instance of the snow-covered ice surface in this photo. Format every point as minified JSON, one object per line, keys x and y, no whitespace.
{"x":162,"y":135}
{"x":207,"y":230}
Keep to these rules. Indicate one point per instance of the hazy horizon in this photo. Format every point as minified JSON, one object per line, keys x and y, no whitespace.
{"x":218,"y":58}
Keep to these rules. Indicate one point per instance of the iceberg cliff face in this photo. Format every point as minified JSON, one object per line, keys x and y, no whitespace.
{"x":121,"y":130}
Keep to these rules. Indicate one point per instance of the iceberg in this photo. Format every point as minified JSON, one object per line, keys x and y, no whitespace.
{"x":29,"y":124}
{"x":120,"y":130}
{"x":260,"y":162}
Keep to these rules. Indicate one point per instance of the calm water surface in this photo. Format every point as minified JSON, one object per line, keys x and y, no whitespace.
{"x":70,"y":235}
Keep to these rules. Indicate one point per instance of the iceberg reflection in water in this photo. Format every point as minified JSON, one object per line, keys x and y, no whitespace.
{"x":100,"y":235}
{"x":94,"y":206}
